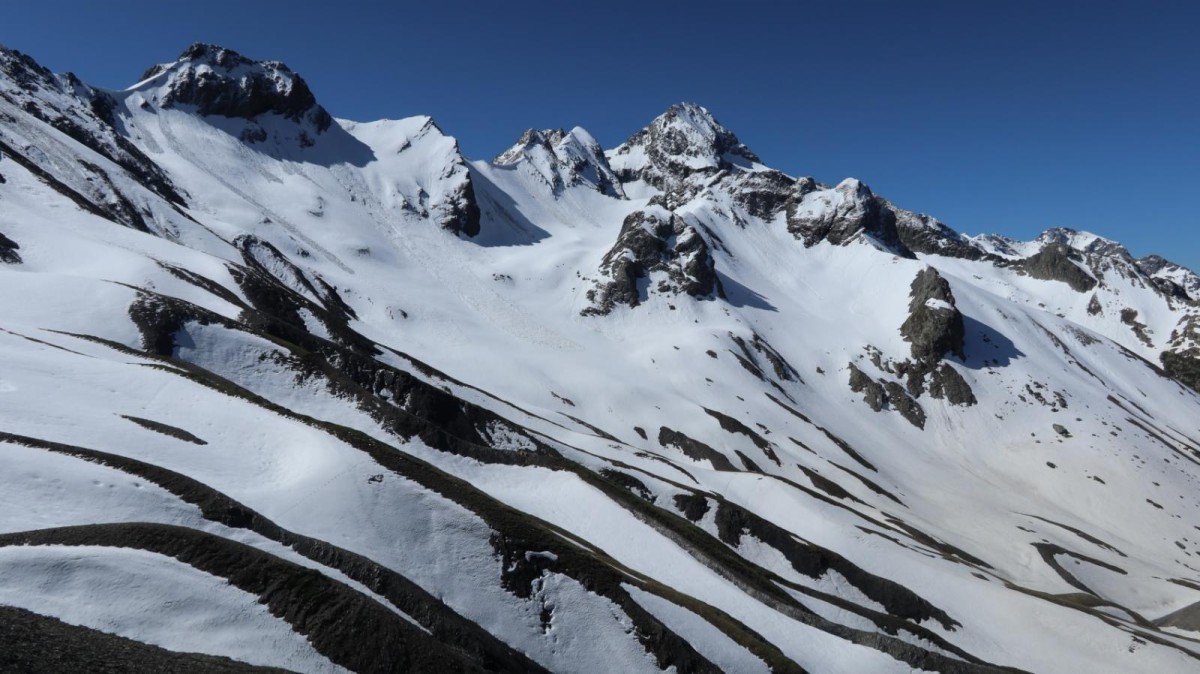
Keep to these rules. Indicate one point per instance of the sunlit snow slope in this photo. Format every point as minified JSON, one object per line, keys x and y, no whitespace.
{"x":282,"y":390}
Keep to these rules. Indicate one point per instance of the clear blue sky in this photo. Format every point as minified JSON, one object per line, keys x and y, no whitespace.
{"x":993,"y":116}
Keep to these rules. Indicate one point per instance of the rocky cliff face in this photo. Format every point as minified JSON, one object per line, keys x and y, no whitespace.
{"x":8,"y":251}
{"x":657,"y":252}
{"x":934,"y":326}
{"x":839,"y":214}
{"x":1056,"y":262}
{"x":219,"y":81}
{"x":926,"y":235}
{"x":459,"y":211}
{"x":1172,"y":279}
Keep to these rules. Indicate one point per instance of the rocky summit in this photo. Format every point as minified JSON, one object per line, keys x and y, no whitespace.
{"x":280,"y":391}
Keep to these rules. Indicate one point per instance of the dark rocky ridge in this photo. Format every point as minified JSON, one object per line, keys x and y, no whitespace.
{"x":1055,"y":262}
{"x":926,"y":235}
{"x":1183,"y":367}
{"x":1095,"y":256}
{"x":946,"y":382}
{"x":903,"y":403}
{"x":90,"y":117}
{"x":21,"y":69}
{"x":462,"y":215}
{"x":458,"y":633}
{"x":335,"y":618}
{"x":36,"y":644}
{"x":764,"y":194}
{"x":733,"y":522}
{"x":858,"y":210}
{"x":1153,"y":265}
{"x":752,"y":355}
{"x":545,"y":138}
{"x":694,"y":449}
{"x":116,"y":211}
{"x":235,"y":86}
{"x":873,"y":392}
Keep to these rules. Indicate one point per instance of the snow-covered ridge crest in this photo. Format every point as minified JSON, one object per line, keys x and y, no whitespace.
{"x":563,"y":159}
{"x":1098,"y":254}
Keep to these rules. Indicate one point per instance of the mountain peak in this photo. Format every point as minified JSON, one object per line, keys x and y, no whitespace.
{"x":855,"y":188}
{"x":220,"y":81}
{"x":532,"y":138}
{"x":691,"y":130}
{"x":215,"y":54}
{"x":684,"y":141}
{"x":563,"y":159}
{"x":1084,"y":242}
{"x":698,"y":118}
{"x":20,"y":68}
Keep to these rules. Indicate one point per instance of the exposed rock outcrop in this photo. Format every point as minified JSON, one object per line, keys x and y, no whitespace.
{"x":8,"y":250}
{"x":1170,"y":278}
{"x":1130,"y":317}
{"x":882,"y":394}
{"x":1085,"y":261}
{"x":935,"y":325}
{"x":220,"y":81}
{"x":757,"y":350}
{"x":873,"y":393}
{"x":903,"y":403}
{"x":945,"y":382}
{"x":763,"y":194}
{"x":660,"y":243}
{"x":1184,"y":367}
{"x":1056,"y":262}
{"x":694,"y":449}
{"x":30,"y":642}
{"x":459,"y":211}
{"x":927,"y":235}
{"x":840,"y":214}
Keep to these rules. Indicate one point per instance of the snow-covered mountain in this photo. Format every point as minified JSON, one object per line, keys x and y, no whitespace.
{"x":284,"y":390}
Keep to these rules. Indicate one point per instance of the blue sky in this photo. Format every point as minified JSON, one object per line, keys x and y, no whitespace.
{"x":1002,"y":116}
